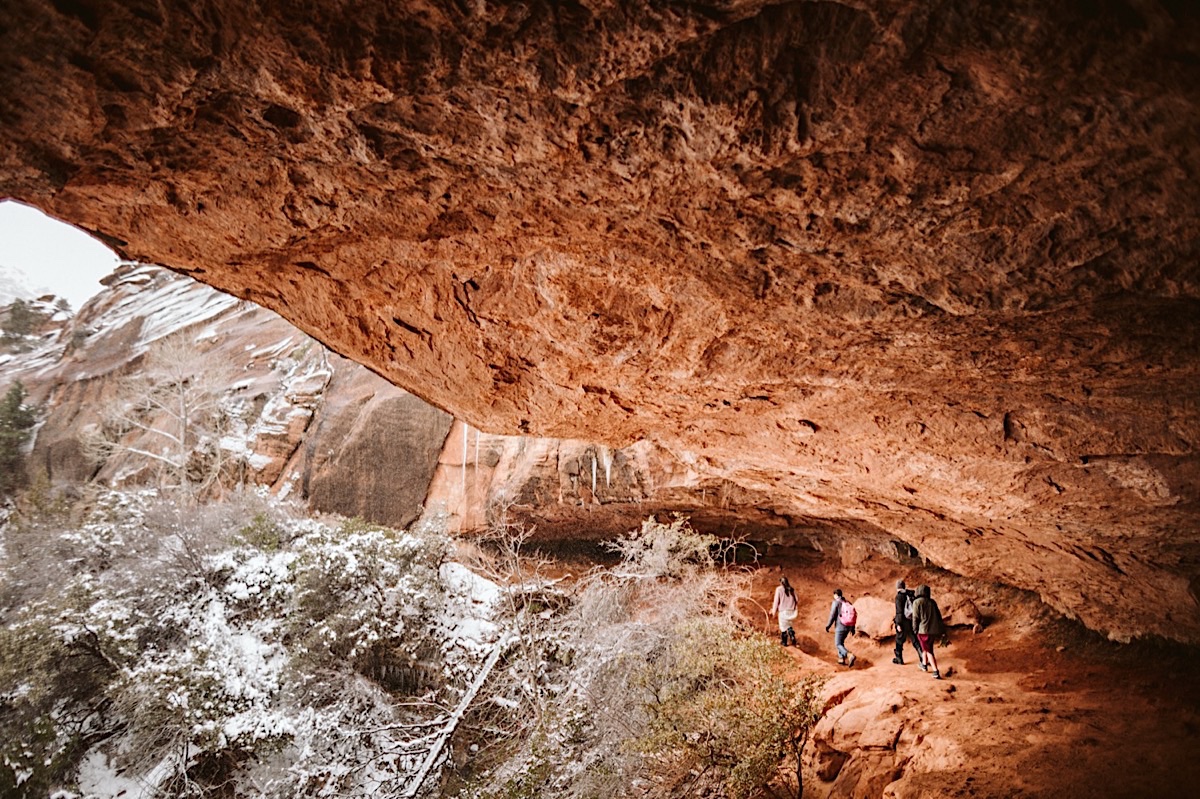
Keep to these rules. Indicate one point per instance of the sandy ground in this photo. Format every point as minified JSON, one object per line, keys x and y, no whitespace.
{"x":1031,"y":706}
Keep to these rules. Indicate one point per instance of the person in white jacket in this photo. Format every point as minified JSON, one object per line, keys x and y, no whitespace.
{"x":786,"y":608}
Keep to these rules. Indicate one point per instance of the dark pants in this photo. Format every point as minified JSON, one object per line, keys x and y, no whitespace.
{"x":839,"y":640}
{"x":906,"y":631}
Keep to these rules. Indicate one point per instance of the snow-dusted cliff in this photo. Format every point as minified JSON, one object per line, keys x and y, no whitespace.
{"x":307,"y":423}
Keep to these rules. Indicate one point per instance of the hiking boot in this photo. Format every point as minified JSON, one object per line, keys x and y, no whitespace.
{"x":898,"y":661}
{"x":792,"y":636}
{"x":841,"y":661}
{"x":850,"y":662}
{"x":937,"y":675}
{"x":924,"y":667}
{"x":783,"y":638}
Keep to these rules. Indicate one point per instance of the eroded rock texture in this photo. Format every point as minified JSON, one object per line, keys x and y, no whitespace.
{"x":927,"y":267}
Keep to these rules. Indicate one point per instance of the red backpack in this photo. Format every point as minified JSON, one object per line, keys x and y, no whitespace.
{"x":847,"y":615}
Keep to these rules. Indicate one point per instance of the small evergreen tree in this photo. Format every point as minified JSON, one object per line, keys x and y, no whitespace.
{"x":20,"y":319}
{"x":16,"y":422}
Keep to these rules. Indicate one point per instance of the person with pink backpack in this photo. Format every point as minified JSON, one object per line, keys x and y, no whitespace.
{"x":842,"y":613}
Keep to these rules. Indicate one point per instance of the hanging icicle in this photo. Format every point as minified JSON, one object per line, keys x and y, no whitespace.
{"x":608,"y":459}
{"x":466,"y":435}
{"x":593,"y":474}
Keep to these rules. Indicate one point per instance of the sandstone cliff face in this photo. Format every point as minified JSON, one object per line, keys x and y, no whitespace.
{"x":926,"y":270}
{"x":299,"y":420}
{"x":305,"y":423}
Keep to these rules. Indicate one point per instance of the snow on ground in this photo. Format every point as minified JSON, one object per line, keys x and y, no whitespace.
{"x":98,"y":779}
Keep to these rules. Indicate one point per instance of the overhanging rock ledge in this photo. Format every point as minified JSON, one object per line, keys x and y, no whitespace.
{"x":933,"y":270}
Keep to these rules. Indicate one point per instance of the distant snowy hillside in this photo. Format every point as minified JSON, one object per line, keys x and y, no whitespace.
{"x":16,"y":285}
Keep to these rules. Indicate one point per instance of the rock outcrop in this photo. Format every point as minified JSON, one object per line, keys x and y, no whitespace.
{"x":928,"y":270}
{"x":297,"y":419}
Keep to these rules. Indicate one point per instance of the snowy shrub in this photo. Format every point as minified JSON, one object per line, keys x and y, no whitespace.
{"x":613,"y":696}
{"x":262,"y":532}
{"x":194,"y":647}
{"x":213,"y":693}
{"x":54,"y":671}
{"x":362,"y":594}
{"x":665,"y":550}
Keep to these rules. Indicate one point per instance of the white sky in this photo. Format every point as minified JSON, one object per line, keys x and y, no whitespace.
{"x":45,"y":254}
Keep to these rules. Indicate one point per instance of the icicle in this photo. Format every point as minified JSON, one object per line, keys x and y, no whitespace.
{"x":593,"y":474}
{"x":608,"y":459}
{"x":466,"y":434}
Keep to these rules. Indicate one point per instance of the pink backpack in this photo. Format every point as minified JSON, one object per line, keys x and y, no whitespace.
{"x":847,"y":615}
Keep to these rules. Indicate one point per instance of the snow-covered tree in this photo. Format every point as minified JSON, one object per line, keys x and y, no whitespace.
{"x":171,"y":413}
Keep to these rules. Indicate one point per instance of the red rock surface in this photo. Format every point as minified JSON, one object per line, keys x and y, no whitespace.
{"x":930,"y":271}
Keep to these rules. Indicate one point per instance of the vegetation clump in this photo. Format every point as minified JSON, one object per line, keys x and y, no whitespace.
{"x":641,"y":680}
{"x":197,"y":651}
{"x":16,"y":425}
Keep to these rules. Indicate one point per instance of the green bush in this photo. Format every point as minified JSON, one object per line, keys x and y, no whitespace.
{"x":360,"y":596}
{"x":719,"y":702}
{"x":262,"y":532}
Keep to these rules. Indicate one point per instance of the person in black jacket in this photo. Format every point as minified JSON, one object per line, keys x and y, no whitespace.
{"x":904,"y":628}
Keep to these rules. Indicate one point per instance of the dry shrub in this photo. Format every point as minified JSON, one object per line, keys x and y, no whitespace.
{"x":642,"y":681}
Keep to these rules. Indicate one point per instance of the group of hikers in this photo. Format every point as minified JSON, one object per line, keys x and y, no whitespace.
{"x":918,"y":619}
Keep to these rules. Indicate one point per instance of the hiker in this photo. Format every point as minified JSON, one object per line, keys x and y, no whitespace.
{"x":927,"y":621}
{"x":846,"y":617}
{"x":785,"y":605}
{"x":904,"y":627}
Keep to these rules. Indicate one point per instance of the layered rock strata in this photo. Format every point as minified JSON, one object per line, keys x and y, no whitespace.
{"x":927,"y":269}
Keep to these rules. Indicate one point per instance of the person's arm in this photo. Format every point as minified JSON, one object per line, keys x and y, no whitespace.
{"x":775,"y":604}
{"x":833,"y":610}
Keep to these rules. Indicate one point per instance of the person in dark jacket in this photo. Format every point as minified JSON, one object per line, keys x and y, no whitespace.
{"x":927,"y":621}
{"x":843,"y":629}
{"x":904,"y":627}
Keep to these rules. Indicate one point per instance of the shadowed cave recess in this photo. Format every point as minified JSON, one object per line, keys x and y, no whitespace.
{"x":923,"y":269}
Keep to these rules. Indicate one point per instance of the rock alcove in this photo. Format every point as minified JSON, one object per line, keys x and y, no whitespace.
{"x":930,"y":270}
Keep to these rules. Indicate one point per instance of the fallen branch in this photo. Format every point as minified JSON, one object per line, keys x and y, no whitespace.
{"x":452,"y":722}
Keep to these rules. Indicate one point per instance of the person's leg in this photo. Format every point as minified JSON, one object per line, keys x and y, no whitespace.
{"x":844,"y":654}
{"x":932,"y":658}
{"x":791,"y":636}
{"x":916,"y":645}
{"x":899,"y":656}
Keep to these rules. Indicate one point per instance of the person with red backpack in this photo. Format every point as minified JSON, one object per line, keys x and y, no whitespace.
{"x":846,"y":617}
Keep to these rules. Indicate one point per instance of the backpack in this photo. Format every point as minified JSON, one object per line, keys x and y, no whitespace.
{"x":908,"y":606}
{"x":847,"y":615}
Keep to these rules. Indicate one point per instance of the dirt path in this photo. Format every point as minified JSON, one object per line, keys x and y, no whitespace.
{"x":1030,"y":706}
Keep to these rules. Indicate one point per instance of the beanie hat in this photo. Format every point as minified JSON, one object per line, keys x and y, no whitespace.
{"x":900,"y":584}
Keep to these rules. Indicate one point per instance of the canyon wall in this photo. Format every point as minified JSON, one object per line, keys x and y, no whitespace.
{"x":928,"y":270}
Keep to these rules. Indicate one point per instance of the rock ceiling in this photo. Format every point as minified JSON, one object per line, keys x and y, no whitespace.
{"x":928,"y":267}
